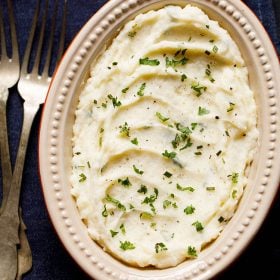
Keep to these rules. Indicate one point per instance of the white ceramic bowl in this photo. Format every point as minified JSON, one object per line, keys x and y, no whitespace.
{"x":56,"y":132}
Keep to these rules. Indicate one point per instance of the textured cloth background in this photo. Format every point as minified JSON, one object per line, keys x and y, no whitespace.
{"x":51,"y":262}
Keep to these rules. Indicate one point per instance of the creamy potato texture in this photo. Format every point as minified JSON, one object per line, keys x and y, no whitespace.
{"x":164,"y":134}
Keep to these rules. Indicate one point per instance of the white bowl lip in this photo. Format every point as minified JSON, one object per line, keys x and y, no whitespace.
{"x":97,"y":264}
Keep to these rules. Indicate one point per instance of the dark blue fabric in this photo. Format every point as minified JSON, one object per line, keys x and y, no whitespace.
{"x":51,"y":262}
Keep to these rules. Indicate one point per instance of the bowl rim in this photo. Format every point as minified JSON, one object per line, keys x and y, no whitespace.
{"x":51,"y":165}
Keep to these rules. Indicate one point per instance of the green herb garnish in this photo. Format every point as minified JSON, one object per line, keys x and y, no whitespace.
{"x":137,"y":170}
{"x":116,"y":202}
{"x":150,"y":62}
{"x":192,"y":251}
{"x":180,"y":188}
{"x":198,"y":226}
{"x":124,"y":129}
{"x":115,"y":101}
{"x":159,"y":247}
{"x":143,"y":189}
{"x":125,"y":182}
{"x":105,"y":212}
{"x":126,"y":245}
{"x":113,"y":233}
{"x":203,"y":111}
{"x":189,"y":210}
{"x":83,"y":177}
{"x":140,"y":92}
{"x":170,"y":155}
{"x":161,"y":117}
{"x":134,"y":141}
{"x":198,"y":89}
{"x":167,"y":174}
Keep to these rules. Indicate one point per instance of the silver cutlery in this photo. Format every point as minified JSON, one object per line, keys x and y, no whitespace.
{"x":32,"y":86}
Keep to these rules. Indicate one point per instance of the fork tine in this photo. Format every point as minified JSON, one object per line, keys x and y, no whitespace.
{"x":62,"y":35}
{"x":2,"y":37}
{"x":50,"y":45}
{"x":14,"y":41}
{"x":41,"y":39}
{"x":24,"y":67}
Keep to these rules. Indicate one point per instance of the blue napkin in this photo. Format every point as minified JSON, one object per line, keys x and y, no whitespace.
{"x":50,"y":259}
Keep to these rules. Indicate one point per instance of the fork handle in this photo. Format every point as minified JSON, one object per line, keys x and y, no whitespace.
{"x":4,"y":147}
{"x":11,"y":208}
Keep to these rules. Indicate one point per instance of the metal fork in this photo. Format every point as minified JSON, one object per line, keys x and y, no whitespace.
{"x":33,"y":87}
{"x":9,"y":73}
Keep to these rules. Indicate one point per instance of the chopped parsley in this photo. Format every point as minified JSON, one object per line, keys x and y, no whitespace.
{"x":174,"y":63}
{"x":198,"y":89}
{"x":152,"y":198}
{"x":189,"y":210}
{"x":194,"y":125}
{"x":210,"y":189}
{"x":159,"y":247}
{"x":122,"y":228}
{"x":138,"y":171}
{"x":170,"y":155}
{"x":146,"y":216}
{"x":131,"y":34}
{"x":83,"y":177}
{"x":231,"y":107}
{"x":134,"y":141}
{"x":234,"y":177}
{"x":203,"y":111}
{"x":126,"y":245}
{"x":166,"y":204}
{"x":105,"y":212}
{"x":115,"y":101}
{"x":192,"y":251}
{"x":183,"y":129}
{"x":198,"y":226}
{"x":143,"y":189}
{"x":125,"y":90}
{"x":150,"y":62}
{"x":180,"y":188}
{"x":113,"y":233}
{"x":124,"y":129}
{"x":234,"y":193}
{"x":116,"y":202}
{"x":140,"y":92}
{"x":183,"y":77}
{"x":167,"y":174}
{"x":125,"y":182}
{"x":161,"y":117}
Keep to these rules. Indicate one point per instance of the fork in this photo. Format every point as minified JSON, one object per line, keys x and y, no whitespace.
{"x":33,"y":87}
{"x":9,"y":73}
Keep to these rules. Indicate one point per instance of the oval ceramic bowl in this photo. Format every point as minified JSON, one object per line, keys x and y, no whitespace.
{"x":56,"y":133}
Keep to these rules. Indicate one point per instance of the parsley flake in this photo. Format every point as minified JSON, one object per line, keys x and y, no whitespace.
{"x":198,"y":226}
{"x":125,"y":182}
{"x":150,"y":62}
{"x":203,"y":111}
{"x":180,"y":188}
{"x":115,"y":101}
{"x":159,"y":247}
{"x":170,"y":155}
{"x":116,"y":202}
{"x":137,"y":170}
{"x":134,"y":141}
{"x":143,"y":189}
{"x":189,"y":210}
{"x":126,"y":245}
{"x":192,"y":251}
{"x":167,"y":174}
{"x":199,"y":89}
{"x":161,"y":117}
{"x":113,"y":233}
{"x":140,"y":92}
{"x":83,"y":177}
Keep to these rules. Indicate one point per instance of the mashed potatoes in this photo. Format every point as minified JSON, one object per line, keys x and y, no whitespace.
{"x":165,"y":130}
